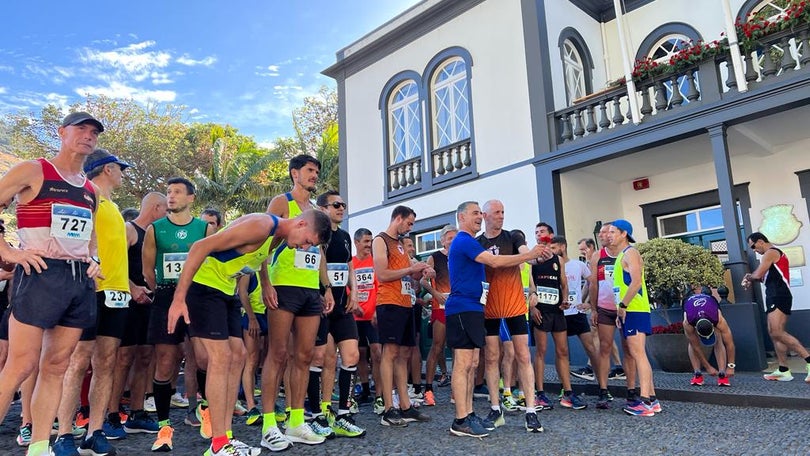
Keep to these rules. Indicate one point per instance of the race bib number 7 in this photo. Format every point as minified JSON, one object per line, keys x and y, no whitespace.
{"x":71,"y":222}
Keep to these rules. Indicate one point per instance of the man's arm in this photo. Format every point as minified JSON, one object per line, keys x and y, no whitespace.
{"x":323,"y":277}
{"x":279,"y":207}
{"x":148,"y":253}
{"x":586,"y":287}
{"x":593,"y":284}
{"x":244,"y":298}
{"x":564,"y":304}
{"x":770,"y":257}
{"x":132,"y":234}
{"x":504,"y":261}
{"x":724,"y":329}
{"x":694,"y":341}
{"x":380,"y":254}
{"x":353,"y":303}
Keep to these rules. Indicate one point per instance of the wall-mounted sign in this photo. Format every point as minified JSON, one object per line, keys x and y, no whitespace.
{"x":796,"y":279}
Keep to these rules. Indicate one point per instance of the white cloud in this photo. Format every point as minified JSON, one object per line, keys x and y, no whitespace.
{"x":2,"y":90}
{"x":132,"y":59}
{"x":160,"y":78}
{"x":120,"y":90}
{"x":188,"y":61}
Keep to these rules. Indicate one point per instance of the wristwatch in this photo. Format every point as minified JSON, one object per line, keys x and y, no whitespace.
{"x":731,"y":366}
{"x":622,"y":305}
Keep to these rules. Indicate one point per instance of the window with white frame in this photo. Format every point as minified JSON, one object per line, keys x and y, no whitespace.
{"x":771,"y":9}
{"x":428,"y":242}
{"x":574,"y":72}
{"x":691,"y":222}
{"x":450,"y":103}
{"x":663,"y":50}
{"x":404,"y":123}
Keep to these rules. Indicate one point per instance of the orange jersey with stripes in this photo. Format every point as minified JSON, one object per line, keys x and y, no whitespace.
{"x":397,"y":291}
{"x":505,"y":298}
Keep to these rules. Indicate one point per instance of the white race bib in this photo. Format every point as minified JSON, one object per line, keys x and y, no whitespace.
{"x":407,"y":288}
{"x":484,"y":293}
{"x":71,"y":222}
{"x":617,"y":295}
{"x":609,"y":272}
{"x":572,"y":304}
{"x":116,"y":299}
{"x":309,"y":259}
{"x":173,"y":265}
{"x":338,"y":274}
{"x":549,"y":296}
{"x":364,"y":278}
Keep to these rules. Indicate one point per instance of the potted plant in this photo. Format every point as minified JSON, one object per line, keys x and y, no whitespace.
{"x":672,"y":267}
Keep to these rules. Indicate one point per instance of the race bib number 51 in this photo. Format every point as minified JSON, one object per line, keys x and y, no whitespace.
{"x":71,"y":222}
{"x":338,"y":274}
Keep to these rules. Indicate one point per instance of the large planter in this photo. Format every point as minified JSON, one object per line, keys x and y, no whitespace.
{"x":670,"y":352}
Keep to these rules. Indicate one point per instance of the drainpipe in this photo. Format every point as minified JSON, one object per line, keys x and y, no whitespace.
{"x":734,"y":46}
{"x":628,"y":66}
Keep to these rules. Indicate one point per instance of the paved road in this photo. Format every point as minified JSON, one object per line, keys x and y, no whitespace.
{"x":682,"y":429}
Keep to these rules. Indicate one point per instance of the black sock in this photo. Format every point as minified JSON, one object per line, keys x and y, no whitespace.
{"x":314,"y":389}
{"x":345,"y":376}
{"x":783,"y":369}
{"x":366,"y":389}
{"x":460,"y":420}
{"x":722,"y":375}
{"x":698,"y":373}
{"x":417,"y":388}
{"x":645,"y":400}
{"x":568,"y":393}
{"x":114,"y":417}
{"x":201,"y":376}
{"x":428,"y":386}
{"x":631,"y":393}
{"x":603,"y":391}
{"x":807,"y":360}
{"x":652,"y":398}
{"x":163,"y":398}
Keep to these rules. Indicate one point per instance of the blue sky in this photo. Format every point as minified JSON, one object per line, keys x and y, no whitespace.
{"x":245,"y":62}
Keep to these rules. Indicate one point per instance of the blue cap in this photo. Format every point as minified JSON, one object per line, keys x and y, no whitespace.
{"x":705,"y":330}
{"x":625,"y":226}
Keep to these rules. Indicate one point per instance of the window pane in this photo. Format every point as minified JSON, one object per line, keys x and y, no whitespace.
{"x":711,"y":218}
{"x":691,"y":222}
{"x":405,"y":123}
{"x":673,"y":225}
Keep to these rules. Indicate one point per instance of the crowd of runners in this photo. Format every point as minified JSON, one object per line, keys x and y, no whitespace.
{"x":103,"y":314}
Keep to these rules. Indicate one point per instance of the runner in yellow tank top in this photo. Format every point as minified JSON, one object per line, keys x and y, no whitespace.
{"x":213,"y":316}
{"x":295,"y":276}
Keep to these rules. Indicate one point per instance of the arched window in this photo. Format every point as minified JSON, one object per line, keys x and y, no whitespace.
{"x":577,"y":65}
{"x":768,"y":10}
{"x":450,"y":103}
{"x":664,"y":42}
{"x":404,"y":123}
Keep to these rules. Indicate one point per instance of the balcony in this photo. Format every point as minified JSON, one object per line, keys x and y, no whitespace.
{"x":448,"y":165}
{"x":777,"y":56}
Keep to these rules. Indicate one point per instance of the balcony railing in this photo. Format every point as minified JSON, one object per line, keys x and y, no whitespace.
{"x":454,"y":162}
{"x":451,"y":161}
{"x":405,"y":176}
{"x":778,"y":54}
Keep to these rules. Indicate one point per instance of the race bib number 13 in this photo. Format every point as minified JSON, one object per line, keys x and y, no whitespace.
{"x":71,"y":222}
{"x":173,"y":265}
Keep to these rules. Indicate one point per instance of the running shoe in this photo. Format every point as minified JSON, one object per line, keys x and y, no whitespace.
{"x":244,"y":449}
{"x":573,"y":401}
{"x":191,"y":419}
{"x":379,"y":405}
{"x":205,"y":422}
{"x":779,"y":376}
{"x":113,"y":430}
{"x":483,"y":422}
{"x":83,"y":416}
{"x":481,"y":391}
{"x":430,"y":399}
{"x":807,"y":379}
{"x":304,"y":434}
{"x":413,"y":415}
{"x":392,"y":417}
{"x":149,"y":404}
{"x":281,"y":414}
{"x":638,"y":408}
{"x":444,"y":380}
{"x":603,"y":403}
{"x":24,"y":435}
{"x":275,"y":440}
{"x":78,"y":432}
{"x":510,"y":404}
{"x":226,"y":450}
{"x":254,"y":416}
{"x":586,"y":373}
{"x":163,"y":443}
{"x":141,"y":422}
{"x":656,"y":406}
{"x":353,"y":407}
{"x":346,"y":427}
{"x":64,"y":446}
{"x":723,"y":381}
{"x":533,"y":423}
{"x":178,"y":401}
{"x":697,"y":380}
{"x":617,"y":373}
{"x":239,"y":409}
{"x":96,"y":445}
{"x":609,"y":396}
{"x":521,"y":402}
{"x":542,"y":402}
{"x":321,"y":426}
{"x":468,"y":428}
{"x":496,"y":417}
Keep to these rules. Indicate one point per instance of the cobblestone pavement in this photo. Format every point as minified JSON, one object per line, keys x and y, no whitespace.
{"x":684,"y":428}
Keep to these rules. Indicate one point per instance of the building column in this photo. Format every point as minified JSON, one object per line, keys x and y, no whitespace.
{"x":549,"y":197}
{"x":737,"y":264}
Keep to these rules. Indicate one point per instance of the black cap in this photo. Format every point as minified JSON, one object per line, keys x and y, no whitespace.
{"x":76,"y":118}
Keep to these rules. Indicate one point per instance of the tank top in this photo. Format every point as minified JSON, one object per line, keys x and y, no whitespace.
{"x":111,"y":235}
{"x":59,"y":220}
{"x":295,"y":267}
{"x":134,"y":257}
{"x":700,"y":306}
{"x":255,"y":295}
{"x":621,"y":280}
{"x":505,"y":298}
{"x":367,"y":285}
{"x":221,"y":270}
{"x":546,"y":277}
{"x":777,"y":278}
{"x":604,"y":274}
{"x":397,"y":292}
{"x":442,"y":280}
{"x":172,"y":243}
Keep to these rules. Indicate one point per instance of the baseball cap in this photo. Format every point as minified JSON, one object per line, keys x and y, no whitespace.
{"x":705,"y":330}
{"x":101,"y":157}
{"x":447,"y":229}
{"x":624,"y":225}
{"x":80,"y":117}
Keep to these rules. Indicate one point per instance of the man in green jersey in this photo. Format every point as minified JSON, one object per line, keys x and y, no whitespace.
{"x":205,"y":297}
{"x":165,"y":248}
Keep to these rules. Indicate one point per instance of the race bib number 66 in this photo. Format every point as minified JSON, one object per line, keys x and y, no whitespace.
{"x":309,"y":259}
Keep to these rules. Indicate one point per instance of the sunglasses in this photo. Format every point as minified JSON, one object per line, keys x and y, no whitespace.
{"x":337,"y":205}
